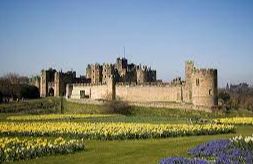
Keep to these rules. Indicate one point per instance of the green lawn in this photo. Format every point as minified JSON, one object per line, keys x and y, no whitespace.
{"x":135,"y":151}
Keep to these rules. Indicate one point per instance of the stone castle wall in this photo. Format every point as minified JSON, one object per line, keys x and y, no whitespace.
{"x":130,"y":93}
{"x":148,"y":93}
{"x":165,"y":96}
{"x":91,"y":91}
{"x":199,"y":89}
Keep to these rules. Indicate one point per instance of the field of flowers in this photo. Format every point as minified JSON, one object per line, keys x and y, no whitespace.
{"x":235,"y":120}
{"x":54,"y":117}
{"x":234,"y":150}
{"x":32,"y":136}
{"x":14,"y":148}
{"x":110,"y":131}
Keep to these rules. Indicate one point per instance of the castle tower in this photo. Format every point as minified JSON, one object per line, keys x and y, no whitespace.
{"x":69,"y":88}
{"x":121,"y":63}
{"x":107,"y":72}
{"x":47,"y":82}
{"x":96,"y":74}
{"x":187,"y":95}
{"x":61,"y":79}
{"x":57,"y":83}
{"x":151,"y":76}
{"x":111,"y":88}
{"x":43,"y":83}
{"x":204,"y":87}
{"x":88,"y":71}
{"x":141,"y":74}
{"x":121,"y":66}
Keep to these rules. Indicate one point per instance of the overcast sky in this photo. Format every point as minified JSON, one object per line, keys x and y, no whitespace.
{"x":68,"y":35}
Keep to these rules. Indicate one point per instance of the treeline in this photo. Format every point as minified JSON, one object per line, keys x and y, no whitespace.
{"x":236,"y":99}
{"x":16,"y":87}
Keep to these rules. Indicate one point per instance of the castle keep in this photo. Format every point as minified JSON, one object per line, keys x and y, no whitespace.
{"x":121,"y":71}
{"x":134,"y":84}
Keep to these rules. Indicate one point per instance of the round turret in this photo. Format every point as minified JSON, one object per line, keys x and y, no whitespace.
{"x":204,"y":87}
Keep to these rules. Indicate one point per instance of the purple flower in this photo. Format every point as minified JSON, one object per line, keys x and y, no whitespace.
{"x":181,"y":160}
{"x":210,"y":149}
{"x":217,"y":151}
{"x":223,"y":152}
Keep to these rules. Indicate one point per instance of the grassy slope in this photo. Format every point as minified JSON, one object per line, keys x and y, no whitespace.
{"x":135,"y":151}
{"x":71,"y":107}
{"x":36,"y":106}
{"x":52,"y":105}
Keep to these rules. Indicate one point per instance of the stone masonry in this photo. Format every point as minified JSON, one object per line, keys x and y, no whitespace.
{"x":199,"y":87}
{"x":132,"y":83}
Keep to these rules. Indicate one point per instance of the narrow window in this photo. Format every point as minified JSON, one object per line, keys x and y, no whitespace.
{"x":82,"y":94}
{"x":210,"y":92}
{"x":197,"y":82}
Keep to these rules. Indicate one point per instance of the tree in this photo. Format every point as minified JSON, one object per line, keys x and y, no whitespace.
{"x":28,"y":91}
{"x":14,"y":78}
{"x":14,"y":86}
{"x":224,"y":96}
{"x":1,"y":97}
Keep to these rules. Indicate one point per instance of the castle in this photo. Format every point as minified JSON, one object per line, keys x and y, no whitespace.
{"x":132,"y":83}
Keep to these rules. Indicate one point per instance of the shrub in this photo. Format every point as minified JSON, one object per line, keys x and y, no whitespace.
{"x":118,"y":107}
{"x":28,"y":91}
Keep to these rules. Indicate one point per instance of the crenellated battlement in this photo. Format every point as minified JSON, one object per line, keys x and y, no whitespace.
{"x":189,"y":62}
{"x":157,"y":84}
{"x":87,"y":84}
{"x":205,"y":71}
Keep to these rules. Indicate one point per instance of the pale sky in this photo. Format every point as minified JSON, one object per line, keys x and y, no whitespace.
{"x":37,"y":34}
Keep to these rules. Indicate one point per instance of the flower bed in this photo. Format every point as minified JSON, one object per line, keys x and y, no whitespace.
{"x":54,"y":117}
{"x":235,"y":150}
{"x":110,"y":131}
{"x":13,"y":148}
{"x":181,"y":160}
{"x":236,"y":120}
